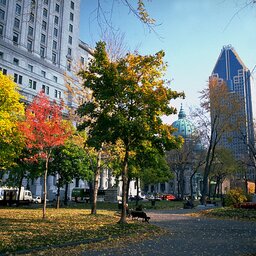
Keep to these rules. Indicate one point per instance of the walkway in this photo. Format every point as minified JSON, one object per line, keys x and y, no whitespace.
{"x":192,"y":236}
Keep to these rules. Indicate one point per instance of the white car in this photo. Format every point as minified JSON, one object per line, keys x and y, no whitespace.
{"x":37,"y":200}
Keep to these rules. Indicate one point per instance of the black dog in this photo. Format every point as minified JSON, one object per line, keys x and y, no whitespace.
{"x":140,"y":214}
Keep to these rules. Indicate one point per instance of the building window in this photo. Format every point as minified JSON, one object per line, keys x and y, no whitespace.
{"x":31,"y":17}
{"x":72,"y":5}
{"x":17,"y":78}
{"x":69,"y":65}
{"x":3,"y":70}
{"x":70,"y":28}
{"x":2,"y":14}
{"x":70,"y":39}
{"x":46,"y":2}
{"x":1,"y":30}
{"x":3,"y":2}
{"x":82,"y":60}
{"x":43,"y":38}
{"x":42,"y":52}
{"x":18,"y":9}
{"x":20,"y":79}
{"x":69,"y":51}
{"x":30,"y":31}
{"x":45,"y":89}
{"x":57,"y":8}
{"x":30,"y":68}
{"x":16,"y":23}
{"x":15,"y":38}
{"x":54,"y":45}
{"x":32,"y":84}
{"x":29,"y":45}
{"x":56,"y":20}
{"x":55,"y":32}
{"x":43,"y":73}
{"x":55,"y":79}
{"x":57,"y":94}
{"x":71,"y":16}
{"x":45,"y":13}
{"x":44,"y":25}
{"x":1,"y":55}
{"x":54,"y":57}
{"x":16,"y":61}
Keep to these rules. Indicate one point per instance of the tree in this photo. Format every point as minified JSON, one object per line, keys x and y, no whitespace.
{"x":44,"y":129}
{"x":223,"y":165}
{"x":11,"y":112}
{"x":129,"y":98}
{"x":223,"y":107}
{"x":69,"y":161}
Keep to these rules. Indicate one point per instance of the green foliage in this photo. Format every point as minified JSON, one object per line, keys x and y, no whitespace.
{"x":129,"y":97}
{"x":235,"y":196}
{"x":70,"y":161}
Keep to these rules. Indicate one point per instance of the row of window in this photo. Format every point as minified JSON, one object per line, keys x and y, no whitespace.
{"x":16,"y":62}
{"x":33,"y":84}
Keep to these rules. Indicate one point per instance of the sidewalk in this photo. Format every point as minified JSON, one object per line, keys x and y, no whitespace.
{"x":192,"y":236}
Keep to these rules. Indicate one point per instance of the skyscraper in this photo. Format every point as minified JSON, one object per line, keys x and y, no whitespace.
{"x":230,"y":69}
{"x":40,"y":45}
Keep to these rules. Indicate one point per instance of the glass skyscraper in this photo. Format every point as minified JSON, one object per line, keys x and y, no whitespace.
{"x":230,"y":69}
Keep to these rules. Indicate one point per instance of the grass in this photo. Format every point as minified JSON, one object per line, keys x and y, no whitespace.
{"x":146,"y":205}
{"x":231,"y":213}
{"x":24,"y":229}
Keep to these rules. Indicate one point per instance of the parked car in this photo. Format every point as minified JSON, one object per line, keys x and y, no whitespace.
{"x":37,"y":200}
{"x":168,"y":197}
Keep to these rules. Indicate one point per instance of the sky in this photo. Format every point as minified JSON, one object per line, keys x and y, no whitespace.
{"x":191,"y":33}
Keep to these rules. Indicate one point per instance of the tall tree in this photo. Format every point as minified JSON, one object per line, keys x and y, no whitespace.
{"x":11,"y":112}
{"x":223,"y":107}
{"x":44,"y":129}
{"x":129,"y":98}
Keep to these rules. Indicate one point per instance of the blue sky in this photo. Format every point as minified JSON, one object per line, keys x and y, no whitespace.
{"x":191,"y":32}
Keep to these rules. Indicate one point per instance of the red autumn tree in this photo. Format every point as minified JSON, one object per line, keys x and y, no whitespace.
{"x":44,"y":129}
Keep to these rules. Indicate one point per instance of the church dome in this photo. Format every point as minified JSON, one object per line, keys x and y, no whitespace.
{"x":184,"y":127}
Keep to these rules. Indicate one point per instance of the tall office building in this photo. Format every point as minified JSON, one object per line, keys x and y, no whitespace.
{"x":40,"y":48}
{"x":230,"y":69}
{"x":40,"y":45}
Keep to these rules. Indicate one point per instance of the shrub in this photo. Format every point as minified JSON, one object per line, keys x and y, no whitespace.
{"x":235,"y":197}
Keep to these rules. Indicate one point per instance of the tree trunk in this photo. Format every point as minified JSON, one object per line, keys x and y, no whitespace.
{"x":191,"y":184}
{"x":45,"y":185}
{"x":58,"y":195}
{"x":127,"y":189}
{"x":137,"y":197}
{"x":96,"y":183}
{"x":124,"y":187}
{"x":66,"y":195}
{"x":20,"y":185}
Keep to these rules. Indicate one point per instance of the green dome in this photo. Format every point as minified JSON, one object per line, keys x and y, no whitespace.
{"x":184,"y":127}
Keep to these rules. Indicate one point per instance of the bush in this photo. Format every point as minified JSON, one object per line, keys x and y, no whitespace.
{"x":235,"y":197}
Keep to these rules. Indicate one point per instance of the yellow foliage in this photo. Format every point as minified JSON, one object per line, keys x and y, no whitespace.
{"x":11,"y":111}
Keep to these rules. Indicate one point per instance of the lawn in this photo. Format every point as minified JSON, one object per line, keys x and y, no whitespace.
{"x":231,"y":213}
{"x":71,"y":229}
{"x":146,"y":205}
